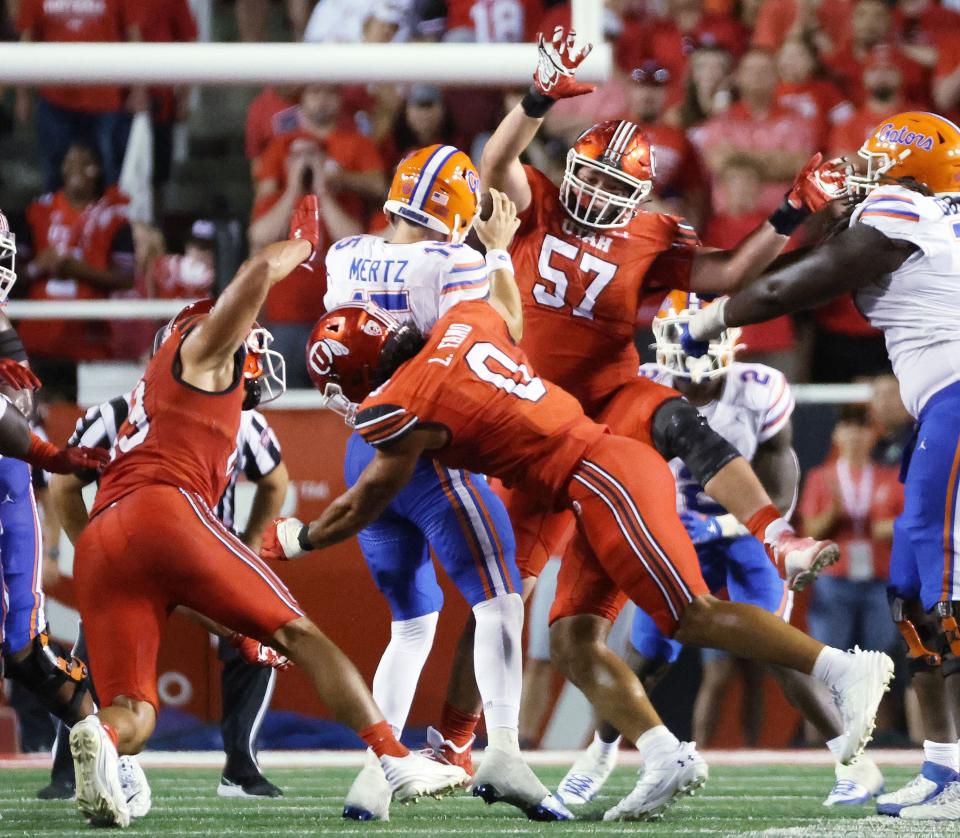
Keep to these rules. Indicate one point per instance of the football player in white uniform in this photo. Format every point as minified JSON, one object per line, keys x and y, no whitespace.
{"x":417,"y":274}
{"x":900,"y":257}
{"x":749,"y":405}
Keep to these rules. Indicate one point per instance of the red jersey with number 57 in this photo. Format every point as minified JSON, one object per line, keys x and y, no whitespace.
{"x":503,"y":420}
{"x":175,"y":434}
{"x":582,"y":289}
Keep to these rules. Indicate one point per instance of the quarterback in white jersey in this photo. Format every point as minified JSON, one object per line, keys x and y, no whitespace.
{"x":749,"y":405}
{"x":900,"y":258}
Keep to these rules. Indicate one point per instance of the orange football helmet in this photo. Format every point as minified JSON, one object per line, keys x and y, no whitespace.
{"x":915,"y":144}
{"x":667,"y":327}
{"x":609,"y":172}
{"x":436,"y":187}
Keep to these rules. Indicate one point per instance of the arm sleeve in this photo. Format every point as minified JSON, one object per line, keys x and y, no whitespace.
{"x":382,"y":424}
{"x":261,"y":448}
{"x":779,"y":409}
{"x":464,"y":278}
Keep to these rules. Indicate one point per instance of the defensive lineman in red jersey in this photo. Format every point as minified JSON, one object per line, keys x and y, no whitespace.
{"x":153,"y":542}
{"x":468,"y":397}
{"x":586,"y":258}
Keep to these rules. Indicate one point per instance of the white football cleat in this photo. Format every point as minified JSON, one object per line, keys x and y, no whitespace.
{"x":506,"y":778}
{"x":857,"y":694}
{"x":100,"y":797}
{"x":927,"y":785}
{"x":369,"y":796}
{"x":944,"y":807}
{"x":677,"y":775}
{"x":417,"y":775}
{"x":587,"y":775}
{"x":135,"y":787}
{"x":803,"y":558}
{"x":857,"y":783}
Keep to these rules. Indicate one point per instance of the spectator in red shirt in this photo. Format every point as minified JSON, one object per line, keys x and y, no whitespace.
{"x":780,"y":141}
{"x":274,"y":111}
{"x":825,"y":23}
{"x":163,"y":21}
{"x":883,"y":88}
{"x":853,"y":501}
{"x":424,"y":120}
{"x":737,"y":214}
{"x":90,"y":114}
{"x":189,"y":275}
{"x":921,"y":25}
{"x":493,"y":21}
{"x":83,"y":250}
{"x":871,"y":26}
{"x":679,"y":184}
{"x":708,"y":89}
{"x":802,"y":88}
{"x":946,"y":79}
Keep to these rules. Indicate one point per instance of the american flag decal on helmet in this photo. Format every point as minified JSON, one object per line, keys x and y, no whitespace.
{"x":619,"y":142}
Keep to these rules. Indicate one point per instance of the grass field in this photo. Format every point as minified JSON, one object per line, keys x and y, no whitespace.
{"x":742,"y":800}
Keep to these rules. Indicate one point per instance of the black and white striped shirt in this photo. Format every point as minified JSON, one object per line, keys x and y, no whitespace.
{"x":258,"y":450}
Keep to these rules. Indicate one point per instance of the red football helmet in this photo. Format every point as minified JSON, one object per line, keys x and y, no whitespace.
{"x":264,"y":369}
{"x":343,"y":353}
{"x":609,"y":172}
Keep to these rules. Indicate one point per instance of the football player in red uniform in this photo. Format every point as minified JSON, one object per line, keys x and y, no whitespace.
{"x":587,"y":257}
{"x":468,"y":397}
{"x":153,"y":542}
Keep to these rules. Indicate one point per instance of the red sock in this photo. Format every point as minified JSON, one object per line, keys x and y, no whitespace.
{"x":457,"y":725}
{"x":759,"y":521}
{"x":112,"y":733}
{"x":380,"y":738}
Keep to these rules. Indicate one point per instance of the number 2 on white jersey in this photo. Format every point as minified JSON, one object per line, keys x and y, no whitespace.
{"x":557,"y":298}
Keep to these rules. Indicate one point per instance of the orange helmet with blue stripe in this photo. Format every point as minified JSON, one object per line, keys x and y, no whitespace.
{"x":915,"y":144}
{"x":668,"y":326}
{"x":436,"y":187}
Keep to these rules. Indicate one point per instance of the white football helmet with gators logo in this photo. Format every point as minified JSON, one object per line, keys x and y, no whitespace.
{"x":674,"y":313}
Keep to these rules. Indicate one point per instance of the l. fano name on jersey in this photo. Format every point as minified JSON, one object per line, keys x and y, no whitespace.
{"x":754,"y":405}
{"x":418,"y":281}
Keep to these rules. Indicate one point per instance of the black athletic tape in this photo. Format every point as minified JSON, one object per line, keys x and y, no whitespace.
{"x":11,"y":346}
{"x":303,"y":539}
{"x":680,"y":430}
{"x":535,"y":104}
{"x":786,"y":218}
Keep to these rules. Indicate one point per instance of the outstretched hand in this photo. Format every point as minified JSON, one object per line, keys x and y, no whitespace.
{"x":17,"y":375}
{"x":557,"y":63}
{"x":818,"y":183}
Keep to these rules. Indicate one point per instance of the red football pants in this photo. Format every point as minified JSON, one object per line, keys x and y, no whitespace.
{"x":153,"y":550}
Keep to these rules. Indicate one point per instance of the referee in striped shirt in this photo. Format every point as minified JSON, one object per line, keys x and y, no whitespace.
{"x":245,"y":688}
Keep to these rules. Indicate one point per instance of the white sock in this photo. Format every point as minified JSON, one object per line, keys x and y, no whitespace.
{"x":942,"y":753}
{"x":398,"y":672}
{"x":835,"y":746}
{"x":504,"y":739}
{"x":497,"y":659}
{"x":606,"y":748}
{"x":774,"y":529}
{"x":830,"y":665}
{"x":657,"y":743}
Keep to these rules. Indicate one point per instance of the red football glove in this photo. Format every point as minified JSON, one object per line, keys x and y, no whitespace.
{"x":556,"y":73}
{"x":305,"y":222}
{"x":47,"y":456}
{"x":17,"y":375}
{"x":255,"y":652}
{"x":819,"y":183}
{"x":281,"y":540}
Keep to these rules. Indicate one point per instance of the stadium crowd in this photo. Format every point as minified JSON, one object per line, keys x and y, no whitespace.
{"x":735,"y":97}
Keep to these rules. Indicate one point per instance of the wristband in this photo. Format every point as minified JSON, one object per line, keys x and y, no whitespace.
{"x":40,"y":451}
{"x":786,"y":218}
{"x":536,"y":104}
{"x":499,"y":260}
{"x":303,"y":539}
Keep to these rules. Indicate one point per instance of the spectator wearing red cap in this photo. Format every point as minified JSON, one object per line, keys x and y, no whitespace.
{"x":882,"y":82}
{"x":803,"y":89}
{"x":87,"y":114}
{"x":679,"y":185}
{"x":779,"y":140}
{"x":737,"y":213}
{"x":871,"y":25}
{"x":825,"y":23}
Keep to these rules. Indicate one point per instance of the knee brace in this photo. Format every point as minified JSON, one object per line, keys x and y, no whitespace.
{"x":45,"y":670}
{"x":924,"y":649}
{"x":947,"y":611}
{"x":680,"y":430}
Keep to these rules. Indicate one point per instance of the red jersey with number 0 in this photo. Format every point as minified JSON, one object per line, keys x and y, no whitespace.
{"x":175,"y":434}
{"x":503,"y":420}
{"x":582,"y":289}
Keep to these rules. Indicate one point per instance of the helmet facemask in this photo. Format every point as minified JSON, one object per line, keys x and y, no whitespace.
{"x":334,"y":399}
{"x":264,"y":371}
{"x":878,"y":164}
{"x":672,"y":357}
{"x":594,"y":206}
{"x":8,"y":260}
